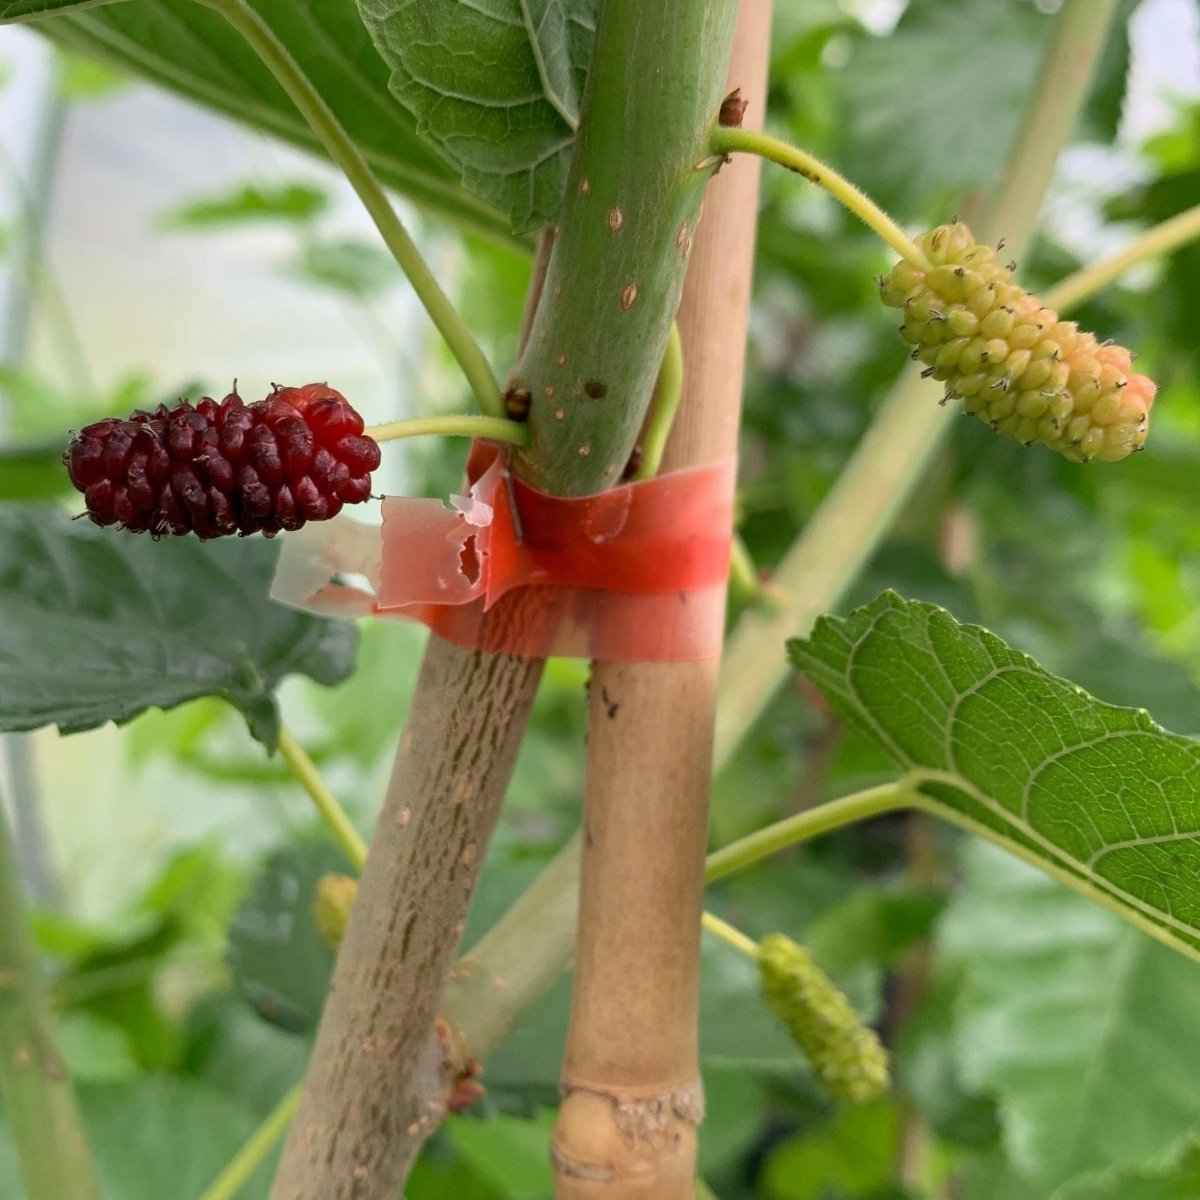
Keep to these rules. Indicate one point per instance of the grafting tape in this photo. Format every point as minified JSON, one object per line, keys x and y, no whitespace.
{"x":633,"y":574}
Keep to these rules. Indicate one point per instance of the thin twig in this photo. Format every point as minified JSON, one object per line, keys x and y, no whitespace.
{"x":327,"y":804}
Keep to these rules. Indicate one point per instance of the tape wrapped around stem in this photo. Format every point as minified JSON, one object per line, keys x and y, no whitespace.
{"x":633,"y":574}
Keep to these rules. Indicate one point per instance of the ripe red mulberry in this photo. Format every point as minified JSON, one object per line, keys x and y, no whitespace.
{"x":219,"y":468}
{"x":1010,"y":360}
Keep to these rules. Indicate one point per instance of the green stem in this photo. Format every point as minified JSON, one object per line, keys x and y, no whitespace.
{"x":327,"y":804}
{"x":628,"y":218}
{"x":52,"y":1151}
{"x":251,"y":1156}
{"x":889,"y":462}
{"x":730,"y":934}
{"x":1162,"y":239}
{"x":751,"y":141}
{"x":743,"y":574}
{"x":665,"y":405}
{"x":808,"y":824}
{"x":495,"y":429}
{"x":345,"y":154}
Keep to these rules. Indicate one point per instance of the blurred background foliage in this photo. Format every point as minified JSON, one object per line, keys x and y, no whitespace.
{"x":1041,"y":1050}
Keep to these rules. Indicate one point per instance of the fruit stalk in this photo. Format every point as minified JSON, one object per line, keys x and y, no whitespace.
{"x":750,"y":141}
{"x":52,"y":1150}
{"x":632,"y":1092}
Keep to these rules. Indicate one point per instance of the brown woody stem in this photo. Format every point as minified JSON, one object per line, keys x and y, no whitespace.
{"x":375,"y":1086}
{"x":632,"y":1092}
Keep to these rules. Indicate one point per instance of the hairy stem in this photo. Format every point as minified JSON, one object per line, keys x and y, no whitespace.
{"x":52,"y":1150}
{"x":631,"y":1081}
{"x":310,"y":779}
{"x":339,"y":146}
{"x":750,"y":141}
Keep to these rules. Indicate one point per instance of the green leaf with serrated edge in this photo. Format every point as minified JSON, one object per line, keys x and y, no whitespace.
{"x":1098,"y":795}
{"x":100,"y":625}
{"x":1088,"y":1033}
{"x":185,"y":47}
{"x":495,"y":85}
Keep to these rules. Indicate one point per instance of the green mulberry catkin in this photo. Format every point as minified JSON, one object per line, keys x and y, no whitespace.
{"x":1009,"y":359}
{"x":845,"y":1054}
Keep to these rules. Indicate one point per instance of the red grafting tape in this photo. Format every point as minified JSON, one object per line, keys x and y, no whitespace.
{"x":634,"y":574}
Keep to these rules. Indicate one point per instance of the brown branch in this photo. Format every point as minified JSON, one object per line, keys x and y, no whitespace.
{"x":375,"y":1085}
{"x":632,"y":1092}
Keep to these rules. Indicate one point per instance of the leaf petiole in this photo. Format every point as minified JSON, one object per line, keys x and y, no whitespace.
{"x":845,"y":810}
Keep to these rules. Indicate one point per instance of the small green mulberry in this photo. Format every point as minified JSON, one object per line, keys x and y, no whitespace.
{"x":845,"y":1054}
{"x":332,"y":905}
{"x":1009,"y":359}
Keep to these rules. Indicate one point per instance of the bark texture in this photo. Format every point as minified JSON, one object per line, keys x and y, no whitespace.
{"x":375,"y":1086}
{"x":632,"y":1096}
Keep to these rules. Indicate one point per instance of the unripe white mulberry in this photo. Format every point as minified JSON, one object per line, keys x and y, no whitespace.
{"x":1010,"y":360}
